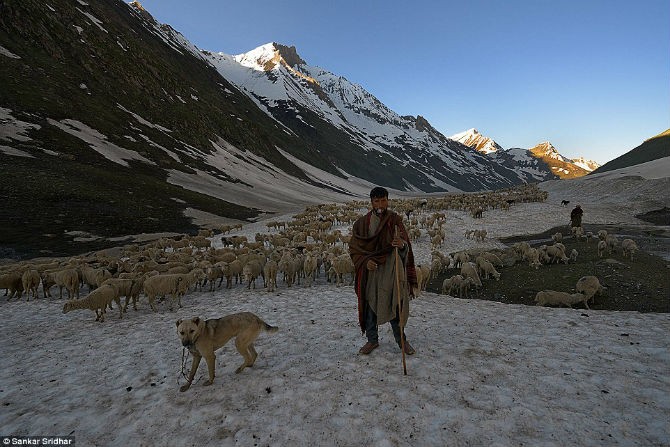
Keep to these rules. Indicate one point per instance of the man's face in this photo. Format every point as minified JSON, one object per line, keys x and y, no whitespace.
{"x":380,"y":204}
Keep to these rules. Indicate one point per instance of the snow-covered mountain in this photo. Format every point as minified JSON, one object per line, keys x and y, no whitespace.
{"x":541,"y":162}
{"x":587,"y":165}
{"x":476,"y":140}
{"x":351,"y":128}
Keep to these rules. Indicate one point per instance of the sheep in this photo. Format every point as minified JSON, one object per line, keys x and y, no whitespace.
{"x":469,"y":270}
{"x":342,"y":265}
{"x":161,"y":285}
{"x":573,"y":255}
{"x":492,"y":258}
{"x":436,"y":267}
{"x":533,"y":256}
{"x":309,"y":267}
{"x":425,"y":276}
{"x":97,"y":300}
{"x":270,"y":272}
{"x":94,"y":277}
{"x":288,"y":266}
{"x":612,"y":243}
{"x":231,"y":270}
{"x":558,"y":237}
{"x":602,"y":235}
{"x":480,"y":235}
{"x":251,"y":271}
{"x":602,"y":246}
{"x":457,"y":282}
{"x":422,"y":277}
{"x":556,"y":254}
{"x":487,"y":269}
{"x":129,"y":288}
{"x":213,"y":273}
{"x":589,"y":236}
{"x":589,"y":286}
{"x":552,"y":297}
{"x":628,"y":246}
{"x":68,"y":278}
{"x":31,"y":281}
{"x":12,"y":282}
{"x":461,"y":258}
{"x":521,"y":248}
{"x":577,"y":232}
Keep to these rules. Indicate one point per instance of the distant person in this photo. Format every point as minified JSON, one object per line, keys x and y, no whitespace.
{"x":576,"y":216}
{"x":372,"y":249}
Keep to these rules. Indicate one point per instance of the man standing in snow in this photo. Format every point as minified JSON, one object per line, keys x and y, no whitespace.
{"x":375,"y":237}
{"x":576,"y":216}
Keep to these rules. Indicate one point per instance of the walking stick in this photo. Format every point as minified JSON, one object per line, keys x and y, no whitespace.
{"x":397,"y":286}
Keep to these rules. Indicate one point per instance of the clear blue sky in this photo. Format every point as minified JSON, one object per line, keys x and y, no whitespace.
{"x":591,"y":76}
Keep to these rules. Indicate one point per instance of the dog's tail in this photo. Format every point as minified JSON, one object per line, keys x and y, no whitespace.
{"x":269,"y":328}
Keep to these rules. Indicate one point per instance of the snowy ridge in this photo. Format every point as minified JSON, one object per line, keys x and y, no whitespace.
{"x":283,"y":85}
{"x":475,"y":140}
{"x":587,"y":165}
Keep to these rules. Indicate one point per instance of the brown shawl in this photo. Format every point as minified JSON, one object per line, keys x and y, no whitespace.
{"x":377,"y":247}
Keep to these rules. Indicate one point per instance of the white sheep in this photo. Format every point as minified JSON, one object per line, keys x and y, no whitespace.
{"x":602,"y":235}
{"x":31,"y":281}
{"x":573,"y":255}
{"x":68,"y":278}
{"x":556,"y":254}
{"x":457,"y":282}
{"x":130,"y":288}
{"x":343,"y":265}
{"x":97,"y":300}
{"x":469,"y":270}
{"x":488,"y":269}
{"x":309,"y":267}
{"x":628,"y":246}
{"x":270,"y":272}
{"x":450,"y":283}
{"x":251,"y":271}
{"x":422,"y":277}
{"x":533,"y":256}
{"x":558,"y":237}
{"x":612,"y":242}
{"x":589,"y":286}
{"x":288,"y":266}
{"x":461,"y":258}
{"x":161,"y":285}
{"x":492,"y":258}
{"x":602,"y":246}
{"x":554,"y":298}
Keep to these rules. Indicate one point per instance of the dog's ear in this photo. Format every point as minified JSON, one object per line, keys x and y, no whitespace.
{"x":196,"y":321}
{"x":178,"y":323}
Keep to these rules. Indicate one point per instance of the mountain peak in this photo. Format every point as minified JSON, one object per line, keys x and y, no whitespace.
{"x":476,"y":140}
{"x":267,"y":57}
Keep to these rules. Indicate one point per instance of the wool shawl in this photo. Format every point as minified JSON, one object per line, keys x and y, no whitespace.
{"x":377,"y":247}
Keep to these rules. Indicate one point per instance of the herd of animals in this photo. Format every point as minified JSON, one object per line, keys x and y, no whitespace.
{"x":291,"y":253}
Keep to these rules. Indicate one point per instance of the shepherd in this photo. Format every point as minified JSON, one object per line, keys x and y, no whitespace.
{"x":383,"y":286}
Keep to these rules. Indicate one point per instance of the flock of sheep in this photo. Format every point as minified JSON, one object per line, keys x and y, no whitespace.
{"x":486,"y":263}
{"x":289,"y":253}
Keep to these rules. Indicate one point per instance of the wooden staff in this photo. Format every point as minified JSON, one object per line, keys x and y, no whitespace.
{"x":397,"y":286}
